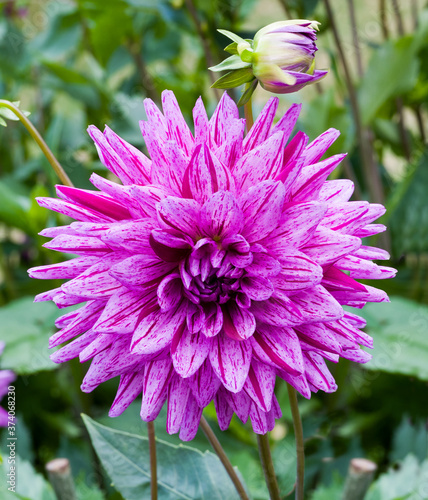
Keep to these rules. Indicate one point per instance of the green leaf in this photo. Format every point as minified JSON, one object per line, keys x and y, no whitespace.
{"x":9,"y":114}
{"x":234,"y":79}
{"x":399,"y":333}
{"x":25,"y":327}
{"x":13,"y":208}
{"x":183,"y":472}
{"x":65,"y":74}
{"x":408,"y":480}
{"x":232,"y":48}
{"x":30,"y":485}
{"x":232,"y":36}
{"x":232,"y":62}
{"x":246,"y":96}
{"x":393,"y":70}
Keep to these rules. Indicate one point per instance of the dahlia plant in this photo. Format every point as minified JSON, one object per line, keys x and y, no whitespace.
{"x":219,"y":263}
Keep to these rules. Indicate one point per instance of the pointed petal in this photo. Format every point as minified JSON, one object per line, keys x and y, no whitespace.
{"x":204,"y":384}
{"x":205,"y":175}
{"x":130,"y":387}
{"x":260,"y":384}
{"x":221,"y":216}
{"x":176,"y":213}
{"x":178,"y":395}
{"x":157,"y":375}
{"x":230,"y":360}
{"x":156,"y":331}
{"x":261,"y":127}
{"x":259,"y":164}
{"x":189,"y":351}
{"x":262,"y":205}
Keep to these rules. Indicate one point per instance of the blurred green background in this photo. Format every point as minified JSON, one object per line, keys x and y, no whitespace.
{"x":72,"y":63}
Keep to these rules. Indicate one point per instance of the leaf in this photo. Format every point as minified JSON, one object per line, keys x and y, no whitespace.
{"x":408,"y":210}
{"x":65,"y":74}
{"x":25,"y":327}
{"x":410,"y":438}
{"x":183,"y":472}
{"x":232,"y":62}
{"x":30,"y":485}
{"x":232,"y":36}
{"x":246,"y":96}
{"x":392,"y":70}
{"x":399,"y":333}
{"x":13,"y":208}
{"x":234,"y":79}
{"x":407,"y":481}
{"x":10,"y":115}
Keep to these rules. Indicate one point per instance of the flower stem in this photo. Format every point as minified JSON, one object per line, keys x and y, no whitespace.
{"x":153,"y":466}
{"x":40,"y":142}
{"x":215,"y":443}
{"x":267,"y":464}
{"x":298,"y":433}
{"x":248,"y":111}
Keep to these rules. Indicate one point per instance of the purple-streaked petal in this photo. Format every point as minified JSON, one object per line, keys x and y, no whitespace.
{"x":262,"y":206}
{"x":189,"y":351}
{"x":230,"y":360}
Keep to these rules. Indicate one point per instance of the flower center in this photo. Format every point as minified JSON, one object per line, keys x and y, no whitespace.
{"x":213,"y":270}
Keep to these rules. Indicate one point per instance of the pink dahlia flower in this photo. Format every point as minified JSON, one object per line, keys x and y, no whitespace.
{"x":6,"y":378}
{"x":218,"y":265}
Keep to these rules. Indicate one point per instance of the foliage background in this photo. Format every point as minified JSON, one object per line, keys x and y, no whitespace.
{"x":76,"y":62}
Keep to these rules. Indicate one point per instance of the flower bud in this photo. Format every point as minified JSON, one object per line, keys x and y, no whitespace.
{"x":284,"y":56}
{"x":281,"y":57}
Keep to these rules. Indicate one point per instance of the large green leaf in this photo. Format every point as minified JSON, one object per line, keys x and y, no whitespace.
{"x":13,"y":208}
{"x":408,"y":211}
{"x":393,"y":70}
{"x":25,"y":327}
{"x":399,"y":330}
{"x":408,"y":480}
{"x":183,"y":472}
{"x":29,"y":485}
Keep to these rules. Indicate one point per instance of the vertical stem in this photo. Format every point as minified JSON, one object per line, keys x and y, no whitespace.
{"x":398,"y":101}
{"x":204,"y":40}
{"x":360,"y":476}
{"x":415,"y":14}
{"x":40,"y":142}
{"x":248,"y":111}
{"x":398,"y":18}
{"x":383,"y":22}
{"x":300,"y":447}
{"x":153,"y":466}
{"x":145,"y":76}
{"x":215,"y":443}
{"x":402,"y":128}
{"x":59,"y":473}
{"x":267,"y":464}
{"x":420,"y":119}
{"x":355,"y":38}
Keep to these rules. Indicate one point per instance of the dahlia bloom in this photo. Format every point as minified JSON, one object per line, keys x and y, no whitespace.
{"x":6,"y":378}
{"x":218,"y":265}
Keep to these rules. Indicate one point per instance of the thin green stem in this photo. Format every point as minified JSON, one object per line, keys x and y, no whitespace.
{"x":300,"y":448}
{"x":153,"y":464}
{"x":40,"y":142}
{"x":248,"y":111}
{"x":215,"y":443}
{"x":267,"y":464}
